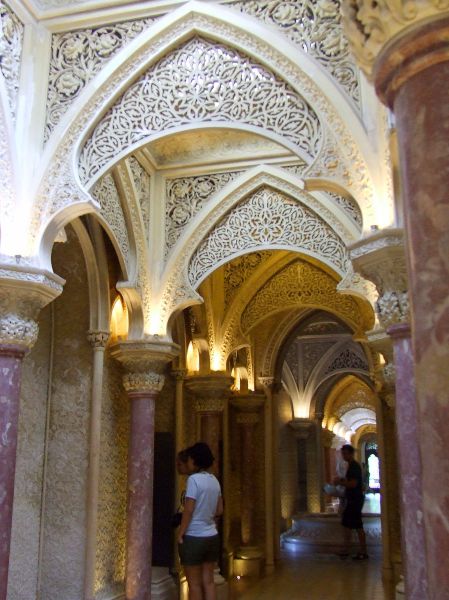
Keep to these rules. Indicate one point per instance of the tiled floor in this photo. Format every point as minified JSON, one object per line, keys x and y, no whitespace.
{"x":316,"y":577}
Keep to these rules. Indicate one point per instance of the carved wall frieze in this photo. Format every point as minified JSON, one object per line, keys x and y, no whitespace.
{"x":77,"y":56}
{"x":197,"y":82}
{"x":267,"y":218}
{"x":11,"y":38}
{"x":316,"y":29}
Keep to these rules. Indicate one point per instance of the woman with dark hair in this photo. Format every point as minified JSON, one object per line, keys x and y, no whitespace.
{"x":198,"y":541}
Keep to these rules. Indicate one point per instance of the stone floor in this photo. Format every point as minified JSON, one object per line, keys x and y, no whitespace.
{"x":316,"y":577}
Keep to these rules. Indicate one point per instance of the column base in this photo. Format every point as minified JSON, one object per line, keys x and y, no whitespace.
{"x":162,"y":585}
{"x":400,"y":590}
{"x":247,"y":562}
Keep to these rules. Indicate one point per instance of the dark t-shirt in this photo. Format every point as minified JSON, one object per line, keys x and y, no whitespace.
{"x":354,"y":472}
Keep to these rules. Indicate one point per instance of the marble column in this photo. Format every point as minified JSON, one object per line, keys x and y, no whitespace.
{"x":269,"y":385}
{"x":320,"y":458}
{"x":180,"y":375}
{"x":303,"y":432}
{"x":22,"y":295}
{"x":404,"y":49}
{"x":248,"y":557}
{"x":144,"y":362}
{"x":98,"y":340}
{"x":380,"y":258}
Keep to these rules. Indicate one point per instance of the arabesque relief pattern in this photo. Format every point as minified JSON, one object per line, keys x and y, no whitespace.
{"x":316,"y":28}
{"x":267,"y":217}
{"x":350,"y":206}
{"x":240,"y":270}
{"x":300,"y":283}
{"x":348,"y":359}
{"x":77,"y":56}
{"x":201,"y":80}
{"x":142,"y":184}
{"x":11,"y":38}
{"x":106,"y":193}
{"x":185,"y":197}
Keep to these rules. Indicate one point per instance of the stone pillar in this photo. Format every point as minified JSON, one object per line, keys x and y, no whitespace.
{"x":145,"y":362}
{"x":380,"y":258}
{"x":303,"y":429}
{"x":318,"y":421}
{"x":98,"y":340}
{"x":404,"y":48}
{"x":269,"y":385}
{"x":180,"y":375}
{"x":22,"y":295}
{"x":248,"y":558}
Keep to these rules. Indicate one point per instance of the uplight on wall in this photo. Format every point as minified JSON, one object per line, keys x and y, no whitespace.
{"x":193,"y":358}
{"x":119,"y":319}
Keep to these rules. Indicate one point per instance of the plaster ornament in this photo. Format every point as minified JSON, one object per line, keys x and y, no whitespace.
{"x":77,"y":56}
{"x":143,"y":382}
{"x":142,"y":183}
{"x":17,"y":331}
{"x":11,"y":40}
{"x":198,"y":81}
{"x":315,"y":26}
{"x":267,"y":218}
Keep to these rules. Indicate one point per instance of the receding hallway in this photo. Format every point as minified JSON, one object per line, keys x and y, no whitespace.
{"x":316,"y":577}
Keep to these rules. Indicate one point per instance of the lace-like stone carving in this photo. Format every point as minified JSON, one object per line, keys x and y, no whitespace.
{"x":77,"y":56}
{"x":240,"y":270}
{"x":266,"y":218}
{"x":142,"y":183}
{"x":300,"y":283}
{"x":315,"y":26}
{"x":10,"y":51}
{"x":348,"y":359}
{"x":106,"y":193}
{"x":185,"y":197}
{"x":313,"y":351}
{"x":18,"y":331}
{"x":350,"y":206}
{"x":202,"y":81}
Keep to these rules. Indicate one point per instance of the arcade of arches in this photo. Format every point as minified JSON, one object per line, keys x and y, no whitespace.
{"x":223,"y":220}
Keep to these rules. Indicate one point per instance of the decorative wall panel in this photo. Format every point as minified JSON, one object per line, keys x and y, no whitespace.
{"x":197,"y":82}
{"x":64,"y":521}
{"x":111,"y":535}
{"x":350,"y":206}
{"x":312,"y":353}
{"x":315,"y":26}
{"x":266,"y":218}
{"x":185,"y":197}
{"x":23,"y":564}
{"x":238,"y":271}
{"x":77,"y":56}
{"x":142,"y":182}
{"x":348,"y":359}
{"x":11,"y":37}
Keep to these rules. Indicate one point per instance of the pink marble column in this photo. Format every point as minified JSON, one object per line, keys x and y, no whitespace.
{"x":211,"y":432}
{"x":410,"y":472}
{"x":140,"y":495}
{"x":247,"y":423}
{"x":10,"y":368}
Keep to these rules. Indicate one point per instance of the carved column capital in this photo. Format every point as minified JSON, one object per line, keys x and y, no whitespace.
{"x":211,"y":390}
{"x":179,"y":374}
{"x":98,"y":339}
{"x":145,"y":362}
{"x":394,"y":39}
{"x":248,"y":408}
{"x":23,"y":293}
{"x":302,"y":427}
{"x":380,"y":259}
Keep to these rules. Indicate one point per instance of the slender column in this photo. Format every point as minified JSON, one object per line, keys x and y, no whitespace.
{"x":303,"y":429}
{"x":145,"y":362}
{"x":320,"y":457}
{"x":22,"y":295}
{"x":98,"y":340}
{"x":268,"y":383}
{"x":180,"y":375}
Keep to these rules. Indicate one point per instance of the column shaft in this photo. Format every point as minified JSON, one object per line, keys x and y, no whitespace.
{"x":211,"y":432}
{"x":247,"y":479}
{"x":413,"y":541}
{"x":140,"y":495}
{"x":10,"y":368}
{"x":269,"y":492}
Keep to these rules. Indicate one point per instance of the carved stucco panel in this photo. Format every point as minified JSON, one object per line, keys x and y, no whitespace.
{"x":142,"y":183}
{"x":185,"y":197}
{"x":202,"y":81}
{"x":77,"y":56}
{"x":11,"y":39}
{"x":316,"y":28}
{"x":238,"y":271}
{"x":266,"y":218}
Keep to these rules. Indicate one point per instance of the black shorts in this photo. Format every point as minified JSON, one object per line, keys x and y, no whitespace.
{"x":352,"y":514}
{"x":198,"y":550}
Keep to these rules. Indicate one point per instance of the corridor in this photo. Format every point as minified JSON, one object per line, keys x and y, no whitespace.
{"x":316,"y":577}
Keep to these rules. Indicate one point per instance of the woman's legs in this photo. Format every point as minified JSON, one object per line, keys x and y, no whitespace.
{"x":194,"y":577}
{"x":208,"y":581}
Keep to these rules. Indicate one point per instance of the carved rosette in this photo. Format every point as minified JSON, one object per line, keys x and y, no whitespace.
{"x":380,"y":259}
{"x":394,"y":39}
{"x":23,"y":293}
{"x":98,"y":339}
{"x":145,"y":362}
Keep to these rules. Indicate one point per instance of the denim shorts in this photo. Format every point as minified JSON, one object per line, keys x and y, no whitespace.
{"x":198,"y":550}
